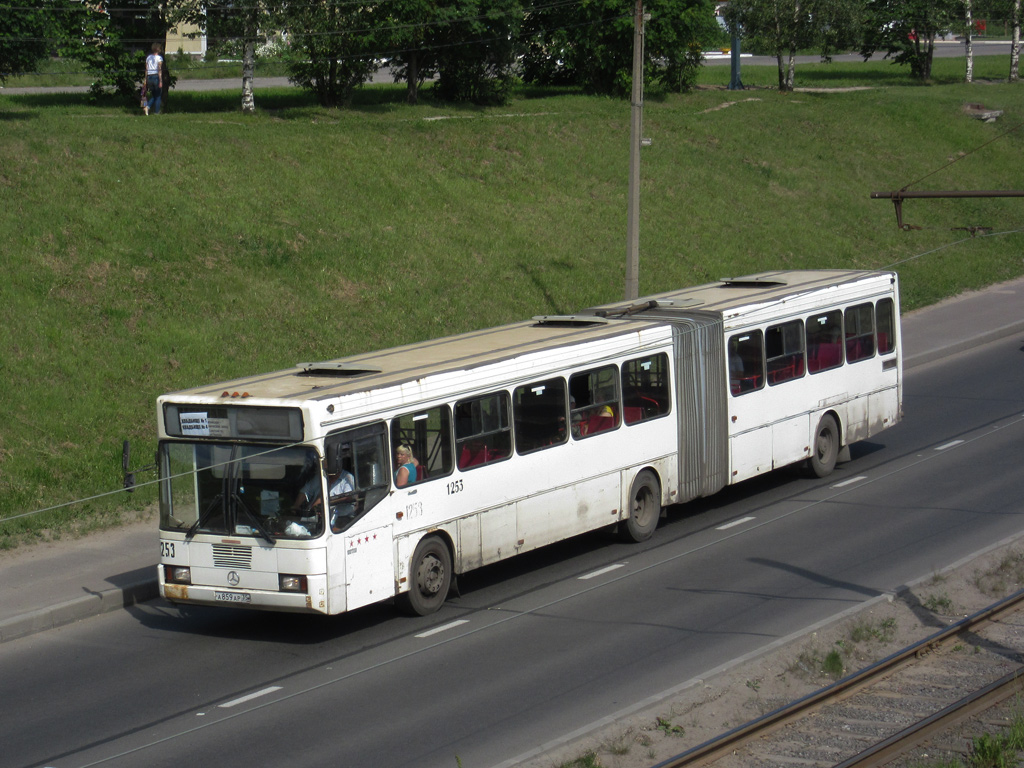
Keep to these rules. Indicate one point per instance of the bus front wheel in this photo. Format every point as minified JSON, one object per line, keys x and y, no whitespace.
{"x":825,"y":449}
{"x":644,"y":508}
{"x":430,"y":578}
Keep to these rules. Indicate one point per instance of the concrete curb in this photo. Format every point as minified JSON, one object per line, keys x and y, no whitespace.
{"x":978,"y":340}
{"x":83,"y":607}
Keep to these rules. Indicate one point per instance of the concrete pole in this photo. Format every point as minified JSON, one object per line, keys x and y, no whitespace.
{"x":635,"y":137}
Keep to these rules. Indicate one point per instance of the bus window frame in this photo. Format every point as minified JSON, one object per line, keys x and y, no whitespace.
{"x":890,"y":317}
{"x":587,"y":408}
{"x":861,"y":343}
{"x":747,"y":367}
{"x":556,"y":433}
{"x":793,"y":363}
{"x":836,"y":329}
{"x":649,"y":406}
{"x":444,"y":440}
{"x":465,"y":443}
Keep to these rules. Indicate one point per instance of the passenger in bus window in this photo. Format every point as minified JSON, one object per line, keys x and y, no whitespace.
{"x":406,"y":472}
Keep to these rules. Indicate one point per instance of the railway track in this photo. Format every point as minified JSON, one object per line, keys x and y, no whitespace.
{"x":907,"y":701}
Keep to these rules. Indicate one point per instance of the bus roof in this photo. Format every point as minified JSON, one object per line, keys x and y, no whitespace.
{"x":330,"y":379}
{"x":731,"y":294}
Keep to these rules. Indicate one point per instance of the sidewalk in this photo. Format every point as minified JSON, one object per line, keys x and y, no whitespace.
{"x":49,"y":585}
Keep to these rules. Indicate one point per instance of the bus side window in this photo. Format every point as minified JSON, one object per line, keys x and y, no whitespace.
{"x":539,"y":413}
{"x":784,"y":351}
{"x":825,"y":341}
{"x":746,"y":362}
{"x":483,"y":433}
{"x":594,"y":401}
{"x":428,"y":433}
{"x":860,"y":332}
{"x":885,"y":321}
{"x":645,"y":388}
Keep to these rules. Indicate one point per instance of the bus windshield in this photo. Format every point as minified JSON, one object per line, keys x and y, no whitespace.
{"x":264,"y":491}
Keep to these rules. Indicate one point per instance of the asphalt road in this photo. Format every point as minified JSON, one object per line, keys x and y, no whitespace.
{"x":545,"y":644}
{"x":944,"y":49}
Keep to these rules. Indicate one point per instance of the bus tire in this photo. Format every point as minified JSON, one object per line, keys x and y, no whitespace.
{"x":430,"y":578}
{"x":644,"y":508}
{"x":825,"y":448}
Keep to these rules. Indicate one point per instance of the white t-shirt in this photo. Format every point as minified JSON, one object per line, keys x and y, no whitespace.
{"x":153,"y":64}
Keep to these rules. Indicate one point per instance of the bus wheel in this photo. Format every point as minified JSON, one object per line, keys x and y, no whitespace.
{"x":644,"y":509}
{"x":431,"y":578}
{"x":825,"y":450}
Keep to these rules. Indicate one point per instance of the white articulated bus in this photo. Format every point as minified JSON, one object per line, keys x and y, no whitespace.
{"x":282,"y":491}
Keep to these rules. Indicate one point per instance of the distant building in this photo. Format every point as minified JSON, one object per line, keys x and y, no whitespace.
{"x":187,"y":39}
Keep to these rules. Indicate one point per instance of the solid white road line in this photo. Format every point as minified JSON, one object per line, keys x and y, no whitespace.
{"x":250,"y":697}
{"x":734,"y":523}
{"x":602,"y":571}
{"x":443,"y":628}
{"x":851,"y":481}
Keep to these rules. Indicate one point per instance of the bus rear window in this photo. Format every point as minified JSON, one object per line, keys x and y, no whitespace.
{"x":885,"y":322}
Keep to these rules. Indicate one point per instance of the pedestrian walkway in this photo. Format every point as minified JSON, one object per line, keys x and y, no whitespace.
{"x":48,"y":585}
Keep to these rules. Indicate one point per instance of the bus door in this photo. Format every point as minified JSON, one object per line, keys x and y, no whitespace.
{"x":357,"y":487}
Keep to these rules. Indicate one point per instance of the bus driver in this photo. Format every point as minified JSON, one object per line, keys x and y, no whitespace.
{"x":340,"y":483}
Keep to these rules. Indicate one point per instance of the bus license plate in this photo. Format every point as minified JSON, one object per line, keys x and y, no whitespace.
{"x":233,"y":597}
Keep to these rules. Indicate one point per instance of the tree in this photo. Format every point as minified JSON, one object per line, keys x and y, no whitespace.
{"x":782,"y":27}
{"x":476,"y":46}
{"x":39,"y":28}
{"x":413,"y":32}
{"x":590,"y":44}
{"x":1015,"y":42}
{"x":332,"y":47}
{"x":906,"y":30}
{"x":969,"y":40}
{"x":115,"y":54}
{"x":244,"y":25}
{"x":25,"y":37}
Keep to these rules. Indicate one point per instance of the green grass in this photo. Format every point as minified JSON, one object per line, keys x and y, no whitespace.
{"x":144,"y":255}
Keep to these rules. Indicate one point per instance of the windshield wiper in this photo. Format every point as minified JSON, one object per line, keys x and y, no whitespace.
{"x":204,"y":517}
{"x":260,"y":529}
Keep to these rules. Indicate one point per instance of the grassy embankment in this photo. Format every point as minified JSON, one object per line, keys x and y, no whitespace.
{"x":144,"y":255}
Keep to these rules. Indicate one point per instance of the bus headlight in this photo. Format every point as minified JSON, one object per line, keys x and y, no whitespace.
{"x":290,"y":583}
{"x":177,"y":574}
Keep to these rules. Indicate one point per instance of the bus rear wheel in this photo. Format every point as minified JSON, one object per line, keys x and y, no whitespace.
{"x":644,"y":508}
{"x":430,"y":578}
{"x":825,"y":449}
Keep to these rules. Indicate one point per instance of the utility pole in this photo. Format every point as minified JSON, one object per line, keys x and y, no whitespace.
{"x":735,"y":83}
{"x":635,"y":139}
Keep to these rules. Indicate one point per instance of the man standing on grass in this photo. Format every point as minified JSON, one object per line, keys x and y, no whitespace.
{"x":154,"y":80}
